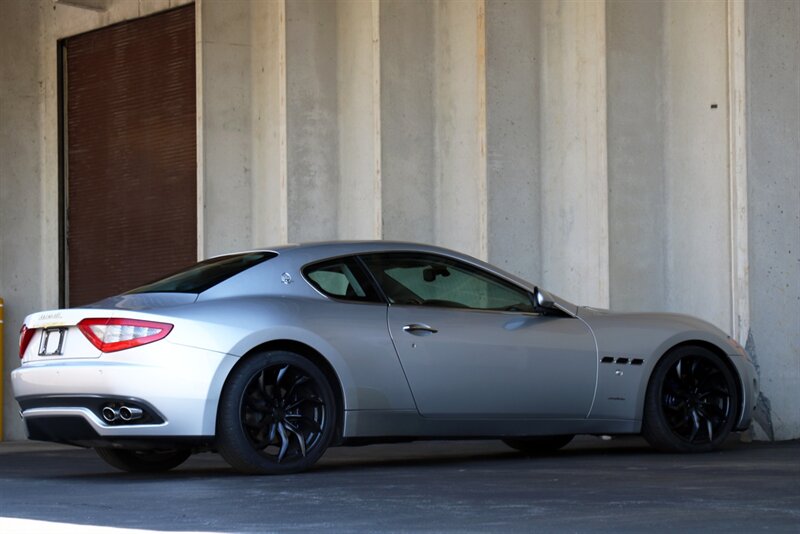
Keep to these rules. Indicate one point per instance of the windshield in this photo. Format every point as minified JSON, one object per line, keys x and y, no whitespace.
{"x":204,"y":275}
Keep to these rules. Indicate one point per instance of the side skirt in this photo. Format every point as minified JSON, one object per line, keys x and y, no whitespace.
{"x":375,"y":423}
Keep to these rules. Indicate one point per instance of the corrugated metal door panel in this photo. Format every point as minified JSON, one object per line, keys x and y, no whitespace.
{"x":131,"y":154}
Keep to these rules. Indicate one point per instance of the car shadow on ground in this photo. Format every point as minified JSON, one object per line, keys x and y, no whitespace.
{"x":83,"y":464}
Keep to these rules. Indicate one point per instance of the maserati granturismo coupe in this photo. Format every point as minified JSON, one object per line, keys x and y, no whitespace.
{"x":271,"y":356}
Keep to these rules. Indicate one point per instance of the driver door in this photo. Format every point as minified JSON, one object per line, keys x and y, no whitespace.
{"x":471,"y":344}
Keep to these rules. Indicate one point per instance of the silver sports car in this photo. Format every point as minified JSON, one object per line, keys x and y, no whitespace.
{"x":271,"y":356}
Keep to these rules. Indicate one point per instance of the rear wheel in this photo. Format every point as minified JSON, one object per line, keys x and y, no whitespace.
{"x":143,"y":461}
{"x":691,"y":402}
{"x":277,"y":414}
{"x":536,"y":445}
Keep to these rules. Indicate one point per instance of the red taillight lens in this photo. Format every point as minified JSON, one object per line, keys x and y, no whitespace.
{"x":111,"y":335}
{"x":25,"y":336}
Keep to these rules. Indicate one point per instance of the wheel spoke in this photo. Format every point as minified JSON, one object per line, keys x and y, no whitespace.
{"x":302,"y":379}
{"x":273,"y":428}
{"x":695,"y":426}
{"x":305,"y":420}
{"x":284,"y":442}
{"x":281,"y":374}
{"x":300,"y":439}
{"x":312,"y":400}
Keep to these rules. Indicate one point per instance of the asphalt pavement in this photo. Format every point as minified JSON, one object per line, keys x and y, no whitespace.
{"x":468,"y":486}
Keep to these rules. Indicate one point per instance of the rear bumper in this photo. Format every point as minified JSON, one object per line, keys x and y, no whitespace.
{"x":177,"y":386}
{"x":76,"y":430}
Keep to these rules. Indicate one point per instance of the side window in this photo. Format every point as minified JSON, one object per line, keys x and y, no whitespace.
{"x":430,"y":280}
{"x":341,"y":279}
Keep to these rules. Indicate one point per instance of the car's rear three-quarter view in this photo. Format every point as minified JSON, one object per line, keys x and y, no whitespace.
{"x":271,"y":356}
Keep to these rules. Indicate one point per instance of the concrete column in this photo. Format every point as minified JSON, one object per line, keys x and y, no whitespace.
{"x":408,"y":125}
{"x":636,"y":172}
{"x":460,"y":107}
{"x":241,"y":104}
{"x":698,"y":269}
{"x":23,"y":187}
{"x":513,"y":60}
{"x":773,"y":176}
{"x":225,"y":140}
{"x":737,"y":166}
{"x":268,"y":118}
{"x":574,"y":202}
{"x":312,"y":120}
{"x":359,"y":119}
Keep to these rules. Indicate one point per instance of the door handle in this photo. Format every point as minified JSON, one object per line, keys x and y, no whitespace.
{"x":419,"y":329}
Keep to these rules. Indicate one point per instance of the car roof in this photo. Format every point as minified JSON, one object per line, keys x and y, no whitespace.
{"x":334,"y":248}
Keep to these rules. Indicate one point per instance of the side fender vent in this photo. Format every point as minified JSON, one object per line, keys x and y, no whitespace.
{"x":621,"y":360}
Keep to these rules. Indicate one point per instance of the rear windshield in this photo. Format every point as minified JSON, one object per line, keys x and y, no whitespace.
{"x":205,"y":275}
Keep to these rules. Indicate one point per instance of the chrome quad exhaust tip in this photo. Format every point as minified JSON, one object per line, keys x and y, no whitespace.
{"x":130,"y":413}
{"x":110,"y":414}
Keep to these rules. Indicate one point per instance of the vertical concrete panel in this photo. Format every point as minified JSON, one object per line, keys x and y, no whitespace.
{"x":358,"y":105}
{"x":773,"y":173}
{"x":268,"y":116}
{"x":312,"y":120}
{"x":636,"y":167}
{"x":513,"y":59}
{"x":22,"y":185}
{"x":697,"y":180}
{"x":461,"y":163}
{"x":407,"y":119}
{"x":227,"y":128}
{"x":574,"y":205}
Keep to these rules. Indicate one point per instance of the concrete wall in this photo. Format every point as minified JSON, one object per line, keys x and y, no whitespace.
{"x":513,"y":94}
{"x":588,"y":146}
{"x":636,"y":155}
{"x":408,"y":120}
{"x":696,"y":161}
{"x":773,"y":172}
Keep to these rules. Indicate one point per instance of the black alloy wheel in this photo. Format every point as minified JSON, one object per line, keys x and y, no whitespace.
{"x":276,"y":414}
{"x":691,"y":402}
{"x":143,"y":461}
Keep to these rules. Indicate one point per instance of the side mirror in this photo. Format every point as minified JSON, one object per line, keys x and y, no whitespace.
{"x":544,"y":301}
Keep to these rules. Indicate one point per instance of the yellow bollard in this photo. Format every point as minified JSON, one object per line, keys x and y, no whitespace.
{"x":2,"y":375}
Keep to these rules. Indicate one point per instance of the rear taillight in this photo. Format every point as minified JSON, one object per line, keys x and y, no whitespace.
{"x":25,"y":336}
{"x":111,"y":335}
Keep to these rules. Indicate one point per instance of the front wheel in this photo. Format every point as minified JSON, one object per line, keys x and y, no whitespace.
{"x":277,"y":414}
{"x":537,"y":445}
{"x":691,"y":402}
{"x":143,"y":461}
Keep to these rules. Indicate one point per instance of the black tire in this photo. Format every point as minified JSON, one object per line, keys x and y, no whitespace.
{"x":537,"y":445}
{"x":277,"y":414}
{"x":143,"y":461}
{"x":691,"y":402}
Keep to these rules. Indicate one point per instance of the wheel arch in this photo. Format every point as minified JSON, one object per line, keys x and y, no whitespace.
{"x":316,"y":358}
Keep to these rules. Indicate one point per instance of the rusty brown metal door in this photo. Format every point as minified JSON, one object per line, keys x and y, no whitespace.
{"x":130,"y":147}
